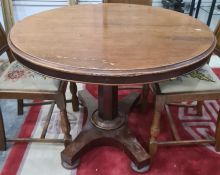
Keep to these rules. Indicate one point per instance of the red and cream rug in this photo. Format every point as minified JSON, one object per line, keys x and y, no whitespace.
{"x":44,"y":159}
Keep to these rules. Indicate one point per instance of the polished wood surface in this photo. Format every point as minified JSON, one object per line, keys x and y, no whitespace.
{"x":107,"y":43}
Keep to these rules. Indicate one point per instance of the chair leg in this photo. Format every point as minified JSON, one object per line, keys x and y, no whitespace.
{"x":2,"y":133}
{"x":75,"y":101}
{"x":199,"y":108}
{"x":20,"y":106}
{"x":145,"y":92}
{"x":217,"y":134}
{"x":10,"y":56}
{"x":64,"y":122}
{"x":155,"y":126}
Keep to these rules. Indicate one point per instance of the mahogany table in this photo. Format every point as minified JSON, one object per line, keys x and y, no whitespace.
{"x":110,"y":45}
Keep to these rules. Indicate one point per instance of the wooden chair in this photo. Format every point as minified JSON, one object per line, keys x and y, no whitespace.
{"x":17,"y":82}
{"x":199,"y":85}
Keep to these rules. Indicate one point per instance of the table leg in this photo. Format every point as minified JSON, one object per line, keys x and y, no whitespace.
{"x":108,"y":127}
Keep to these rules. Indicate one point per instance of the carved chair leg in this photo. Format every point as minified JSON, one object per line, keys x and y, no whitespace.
{"x":199,"y":108}
{"x":217,"y":134}
{"x":145,"y":92}
{"x":20,"y":106}
{"x":75,"y":101}
{"x":64,"y":121}
{"x":2,"y":133}
{"x":155,"y":126}
{"x":10,"y":56}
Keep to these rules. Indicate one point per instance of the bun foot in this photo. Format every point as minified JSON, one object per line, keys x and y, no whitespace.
{"x":70,"y":167}
{"x":139,"y":170}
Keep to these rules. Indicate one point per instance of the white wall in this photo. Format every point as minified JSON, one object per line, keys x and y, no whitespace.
{"x":24,"y":8}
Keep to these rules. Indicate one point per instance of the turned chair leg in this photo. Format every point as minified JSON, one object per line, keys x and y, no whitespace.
{"x":217,"y":134}
{"x":155,"y":126}
{"x":144,"y":95}
{"x":199,"y":108}
{"x":64,"y":121}
{"x":2,"y":133}
{"x":20,"y":106}
{"x":75,"y":101}
{"x":10,"y":56}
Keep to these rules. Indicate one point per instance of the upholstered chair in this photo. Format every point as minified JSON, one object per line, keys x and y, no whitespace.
{"x":18,"y":82}
{"x":198,"y":85}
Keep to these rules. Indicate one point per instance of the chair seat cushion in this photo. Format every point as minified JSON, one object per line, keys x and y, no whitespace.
{"x":17,"y":77}
{"x":203,"y":79}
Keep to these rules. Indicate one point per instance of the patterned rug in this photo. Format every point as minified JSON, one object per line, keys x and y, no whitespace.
{"x":44,"y":159}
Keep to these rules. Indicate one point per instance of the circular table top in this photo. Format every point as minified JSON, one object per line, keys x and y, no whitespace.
{"x":111,"y":43}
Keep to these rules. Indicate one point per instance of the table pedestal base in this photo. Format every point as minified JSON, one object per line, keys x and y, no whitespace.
{"x":92,"y":136}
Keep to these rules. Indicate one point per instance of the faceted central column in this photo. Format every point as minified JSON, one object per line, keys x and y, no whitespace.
{"x":106,"y":116}
{"x":108,"y":102}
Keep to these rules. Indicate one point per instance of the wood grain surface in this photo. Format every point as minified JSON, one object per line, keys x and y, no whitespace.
{"x":111,"y":43}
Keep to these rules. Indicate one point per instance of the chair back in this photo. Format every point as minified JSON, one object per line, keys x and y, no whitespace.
{"x":217,"y":35}
{"x":140,"y":2}
{"x":3,"y":41}
{"x":4,"y":44}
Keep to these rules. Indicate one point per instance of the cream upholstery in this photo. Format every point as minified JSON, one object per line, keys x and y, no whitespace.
{"x":17,"y":77}
{"x":201,"y":80}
